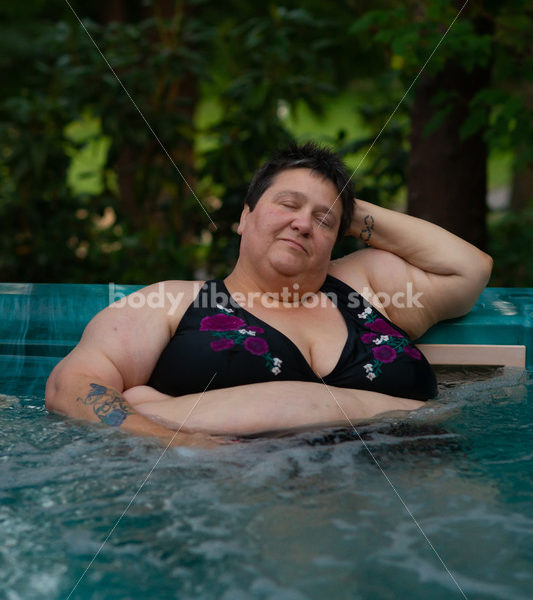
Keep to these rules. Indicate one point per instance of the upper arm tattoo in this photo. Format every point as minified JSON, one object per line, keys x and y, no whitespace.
{"x":108,"y":405}
{"x":366,"y":233}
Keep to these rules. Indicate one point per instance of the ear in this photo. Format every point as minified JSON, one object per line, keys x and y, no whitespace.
{"x":242,"y":222}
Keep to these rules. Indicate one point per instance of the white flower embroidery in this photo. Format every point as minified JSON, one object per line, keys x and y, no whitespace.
{"x":368,"y":367}
{"x":277,"y":361}
{"x":276,"y":370}
{"x":381,"y":339}
{"x":250,"y":332}
{"x":228,"y":310}
{"x":243,"y":331}
{"x":365,"y":313}
{"x":370,"y":375}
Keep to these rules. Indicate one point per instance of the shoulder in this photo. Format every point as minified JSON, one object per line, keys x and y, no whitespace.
{"x":356,"y":269}
{"x":390,"y":284}
{"x":359,"y":269}
{"x":171,"y":287}
{"x":149,"y":315}
{"x":131,"y":333}
{"x":364,"y":262}
{"x":164,"y":301}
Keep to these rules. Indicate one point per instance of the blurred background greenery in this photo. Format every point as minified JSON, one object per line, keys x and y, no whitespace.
{"x":88,"y":194}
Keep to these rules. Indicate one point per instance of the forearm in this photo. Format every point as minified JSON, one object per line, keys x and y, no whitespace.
{"x":89,"y":399}
{"x":271,"y":406}
{"x":421,"y":243}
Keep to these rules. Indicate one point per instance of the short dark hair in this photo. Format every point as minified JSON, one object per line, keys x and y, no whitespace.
{"x":308,"y":156}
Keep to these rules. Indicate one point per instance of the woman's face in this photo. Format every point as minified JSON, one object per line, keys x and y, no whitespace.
{"x":293,"y":227}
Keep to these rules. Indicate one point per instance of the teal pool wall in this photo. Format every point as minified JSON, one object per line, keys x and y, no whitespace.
{"x":501,"y":316}
{"x":47,"y":320}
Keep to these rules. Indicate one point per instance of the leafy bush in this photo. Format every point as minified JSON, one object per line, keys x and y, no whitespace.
{"x":510,"y":245}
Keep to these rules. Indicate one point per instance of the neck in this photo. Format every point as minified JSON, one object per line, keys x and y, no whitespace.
{"x":274,"y":289}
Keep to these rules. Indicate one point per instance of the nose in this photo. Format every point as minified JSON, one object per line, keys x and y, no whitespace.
{"x":302,"y":222}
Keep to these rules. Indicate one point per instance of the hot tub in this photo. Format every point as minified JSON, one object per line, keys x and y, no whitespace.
{"x":436,"y":505}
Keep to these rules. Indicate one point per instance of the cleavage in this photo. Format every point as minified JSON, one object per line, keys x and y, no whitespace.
{"x":320,"y":334}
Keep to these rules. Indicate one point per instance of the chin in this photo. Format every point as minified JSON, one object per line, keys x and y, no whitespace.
{"x":288,"y":273}
{"x":287,"y":268}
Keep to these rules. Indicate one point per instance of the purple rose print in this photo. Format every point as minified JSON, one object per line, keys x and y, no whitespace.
{"x":221,"y":322}
{"x":382,"y":326}
{"x":367,"y":338}
{"x":412,"y":352}
{"x":256,"y":346}
{"x":222,"y":344}
{"x":384,"y":354}
{"x":232,"y":332}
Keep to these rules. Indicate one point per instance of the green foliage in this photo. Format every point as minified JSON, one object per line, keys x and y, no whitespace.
{"x":511,"y":240}
{"x":414,"y":32}
{"x":492,"y":34}
{"x":64,"y":170}
{"x":88,"y":151}
{"x":509,"y":118}
{"x":380,"y":173}
{"x":495,"y":33}
{"x":87,"y":193}
{"x":115,"y":206}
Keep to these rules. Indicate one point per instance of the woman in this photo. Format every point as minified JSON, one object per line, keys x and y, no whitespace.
{"x":285,"y":341}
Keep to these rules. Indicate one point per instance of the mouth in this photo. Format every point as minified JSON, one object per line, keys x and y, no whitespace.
{"x":294,"y":244}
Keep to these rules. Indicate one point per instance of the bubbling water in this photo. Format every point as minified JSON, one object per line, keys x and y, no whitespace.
{"x":305,"y":516}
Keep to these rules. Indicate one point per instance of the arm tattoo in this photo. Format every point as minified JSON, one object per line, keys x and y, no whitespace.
{"x":108,"y":405}
{"x":366,"y":233}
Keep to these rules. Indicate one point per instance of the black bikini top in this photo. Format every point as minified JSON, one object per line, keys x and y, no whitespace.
{"x":216,"y":335}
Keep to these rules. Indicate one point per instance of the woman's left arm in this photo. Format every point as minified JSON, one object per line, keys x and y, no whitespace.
{"x":424,"y":273}
{"x":261,"y":407}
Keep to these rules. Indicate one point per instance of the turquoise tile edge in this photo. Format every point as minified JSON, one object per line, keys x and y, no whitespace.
{"x":500,"y":316}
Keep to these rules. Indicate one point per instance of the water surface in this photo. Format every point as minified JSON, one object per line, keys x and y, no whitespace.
{"x":308,"y":516}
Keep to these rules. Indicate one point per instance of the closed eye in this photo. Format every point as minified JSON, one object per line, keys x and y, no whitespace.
{"x":324,"y":220}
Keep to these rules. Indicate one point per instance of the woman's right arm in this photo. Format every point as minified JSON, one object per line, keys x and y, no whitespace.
{"x":118,"y":350}
{"x":73,"y":392}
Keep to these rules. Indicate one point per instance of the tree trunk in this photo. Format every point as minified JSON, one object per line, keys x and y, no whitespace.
{"x":447,"y":176}
{"x":181,"y":95}
{"x":113,"y":10}
{"x":522,"y":184}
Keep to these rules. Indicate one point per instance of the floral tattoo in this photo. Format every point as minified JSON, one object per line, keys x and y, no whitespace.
{"x":108,"y":405}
